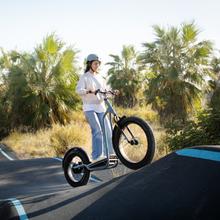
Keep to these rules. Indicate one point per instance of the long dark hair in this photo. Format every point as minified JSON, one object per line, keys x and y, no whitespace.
{"x":88,"y":66}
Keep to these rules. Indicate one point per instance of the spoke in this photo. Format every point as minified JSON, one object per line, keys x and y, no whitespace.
{"x":136,"y":152}
{"x":76,"y":177}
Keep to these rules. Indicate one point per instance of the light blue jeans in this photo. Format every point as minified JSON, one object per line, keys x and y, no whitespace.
{"x":95,"y":121}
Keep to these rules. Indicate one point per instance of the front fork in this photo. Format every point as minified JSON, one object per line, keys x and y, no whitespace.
{"x":118,"y":121}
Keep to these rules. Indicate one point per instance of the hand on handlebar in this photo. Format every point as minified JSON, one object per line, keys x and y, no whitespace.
{"x":96,"y":91}
{"x":113,"y":92}
{"x":90,"y":92}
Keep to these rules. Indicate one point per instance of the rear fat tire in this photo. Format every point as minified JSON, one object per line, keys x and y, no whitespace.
{"x":76,"y":152}
{"x":150,"y":139}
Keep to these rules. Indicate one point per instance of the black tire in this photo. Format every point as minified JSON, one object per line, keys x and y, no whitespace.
{"x":66,"y":154}
{"x":147,"y":133}
{"x":69,"y":172}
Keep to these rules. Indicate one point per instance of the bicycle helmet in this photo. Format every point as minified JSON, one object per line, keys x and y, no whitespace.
{"x":92,"y":57}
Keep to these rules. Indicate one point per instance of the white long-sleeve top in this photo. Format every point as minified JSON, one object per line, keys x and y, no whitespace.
{"x":91,"y":82}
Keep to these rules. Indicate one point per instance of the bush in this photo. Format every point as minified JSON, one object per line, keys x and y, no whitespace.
{"x":63,"y":138}
{"x":205,"y":130}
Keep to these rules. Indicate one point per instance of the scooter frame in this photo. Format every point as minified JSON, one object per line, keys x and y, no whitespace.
{"x":108,"y":162}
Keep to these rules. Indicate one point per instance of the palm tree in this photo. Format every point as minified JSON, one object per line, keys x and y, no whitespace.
{"x":179,"y":66}
{"x":41,"y":85}
{"x":215,"y":84}
{"x":124,"y":75}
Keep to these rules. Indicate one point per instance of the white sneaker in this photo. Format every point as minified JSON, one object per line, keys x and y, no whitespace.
{"x":102,"y":157}
{"x":113,"y":156}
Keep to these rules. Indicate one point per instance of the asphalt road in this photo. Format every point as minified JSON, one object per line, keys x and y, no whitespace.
{"x":39,"y":183}
{"x":182,"y":185}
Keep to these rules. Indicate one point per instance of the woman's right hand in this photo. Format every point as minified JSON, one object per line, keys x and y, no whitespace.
{"x":90,"y":92}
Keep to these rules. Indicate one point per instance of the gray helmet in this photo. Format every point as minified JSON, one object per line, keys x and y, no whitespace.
{"x":92,"y":57}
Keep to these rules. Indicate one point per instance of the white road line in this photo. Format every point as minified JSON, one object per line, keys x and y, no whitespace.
{"x":57,"y":158}
{"x":6,"y":155}
{"x":95,"y":180}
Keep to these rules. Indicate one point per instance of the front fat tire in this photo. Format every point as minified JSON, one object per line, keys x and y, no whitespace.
{"x":150,"y":140}
{"x":85,"y":160}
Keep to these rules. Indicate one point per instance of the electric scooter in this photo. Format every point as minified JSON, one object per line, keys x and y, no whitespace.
{"x":133,"y":142}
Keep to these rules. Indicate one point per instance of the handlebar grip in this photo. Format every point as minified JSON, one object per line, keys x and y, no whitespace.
{"x":98,"y":90}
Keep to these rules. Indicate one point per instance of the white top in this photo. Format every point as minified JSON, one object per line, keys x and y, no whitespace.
{"x":91,"y":102}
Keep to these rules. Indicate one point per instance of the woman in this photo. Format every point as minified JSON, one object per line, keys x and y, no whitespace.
{"x":94,"y":106}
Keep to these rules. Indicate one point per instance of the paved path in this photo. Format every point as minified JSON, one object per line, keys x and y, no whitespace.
{"x":182,"y":185}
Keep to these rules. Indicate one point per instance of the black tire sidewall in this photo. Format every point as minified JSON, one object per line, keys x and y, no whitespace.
{"x":150,"y":138}
{"x":85,"y":160}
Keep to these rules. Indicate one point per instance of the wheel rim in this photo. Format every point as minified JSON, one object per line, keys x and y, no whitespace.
{"x":76,"y":175}
{"x":136,"y":150}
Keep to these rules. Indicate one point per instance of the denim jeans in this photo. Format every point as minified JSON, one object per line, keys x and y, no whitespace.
{"x":95,"y":121}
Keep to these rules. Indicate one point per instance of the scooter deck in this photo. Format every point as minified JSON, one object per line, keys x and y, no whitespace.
{"x":101,"y":163}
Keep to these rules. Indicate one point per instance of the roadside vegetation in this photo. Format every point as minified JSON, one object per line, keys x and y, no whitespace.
{"x":173,"y":83}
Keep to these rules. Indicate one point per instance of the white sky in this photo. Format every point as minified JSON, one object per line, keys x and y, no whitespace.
{"x":101,"y":26}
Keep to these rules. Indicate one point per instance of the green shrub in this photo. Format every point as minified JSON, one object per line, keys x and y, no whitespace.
{"x":205,"y":130}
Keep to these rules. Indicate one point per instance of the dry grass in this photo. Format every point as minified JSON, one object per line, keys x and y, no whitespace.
{"x":161,"y":147}
{"x":145,"y":113}
{"x":75,"y":134}
{"x":57,"y":140}
{"x":30,"y":145}
{"x":51,"y":142}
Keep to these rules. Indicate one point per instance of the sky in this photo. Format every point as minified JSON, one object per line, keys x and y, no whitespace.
{"x":101,"y":26}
